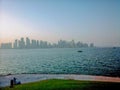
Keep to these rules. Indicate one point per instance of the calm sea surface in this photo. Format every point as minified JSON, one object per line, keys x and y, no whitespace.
{"x":92,"y":61}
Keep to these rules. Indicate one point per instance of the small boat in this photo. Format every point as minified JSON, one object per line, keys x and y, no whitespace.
{"x":114,"y":47}
{"x":79,"y":51}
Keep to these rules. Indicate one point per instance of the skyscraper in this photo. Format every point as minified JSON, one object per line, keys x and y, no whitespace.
{"x":21,"y":43}
{"x":91,"y":45}
{"x":15,"y":45}
{"x":27,"y":42}
{"x":34,"y":44}
{"x":37,"y":43}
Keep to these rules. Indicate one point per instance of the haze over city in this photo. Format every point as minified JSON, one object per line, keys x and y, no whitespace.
{"x":89,"y":21}
{"x":31,"y":44}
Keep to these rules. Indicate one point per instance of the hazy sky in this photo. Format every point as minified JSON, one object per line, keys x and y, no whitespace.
{"x":96,"y":21}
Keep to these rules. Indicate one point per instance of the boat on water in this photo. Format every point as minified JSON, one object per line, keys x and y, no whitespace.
{"x":79,"y":51}
{"x":114,"y":47}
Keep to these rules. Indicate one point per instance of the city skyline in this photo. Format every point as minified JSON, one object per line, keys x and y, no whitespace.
{"x":27,"y":43}
{"x":88,"y":21}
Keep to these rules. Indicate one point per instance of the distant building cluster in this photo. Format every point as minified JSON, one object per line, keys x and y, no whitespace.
{"x":6,"y":45}
{"x":30,"y":44}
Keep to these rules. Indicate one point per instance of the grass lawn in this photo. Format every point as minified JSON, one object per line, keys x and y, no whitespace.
{"x":58,"y":84}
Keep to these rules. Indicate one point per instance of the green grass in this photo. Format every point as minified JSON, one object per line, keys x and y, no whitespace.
{"x":58,"y":84}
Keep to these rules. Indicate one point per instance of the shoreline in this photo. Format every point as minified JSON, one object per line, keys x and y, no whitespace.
{"x":114,"y":76}
{"x":26,"y":78}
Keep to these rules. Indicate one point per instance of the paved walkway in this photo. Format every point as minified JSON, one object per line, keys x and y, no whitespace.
{"x":25,"y":78}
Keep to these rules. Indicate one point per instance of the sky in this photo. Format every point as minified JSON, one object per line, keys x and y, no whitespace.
{"x":96,"y":21}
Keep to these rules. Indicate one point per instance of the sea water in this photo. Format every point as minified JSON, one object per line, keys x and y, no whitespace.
{"x":91,"y":61}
